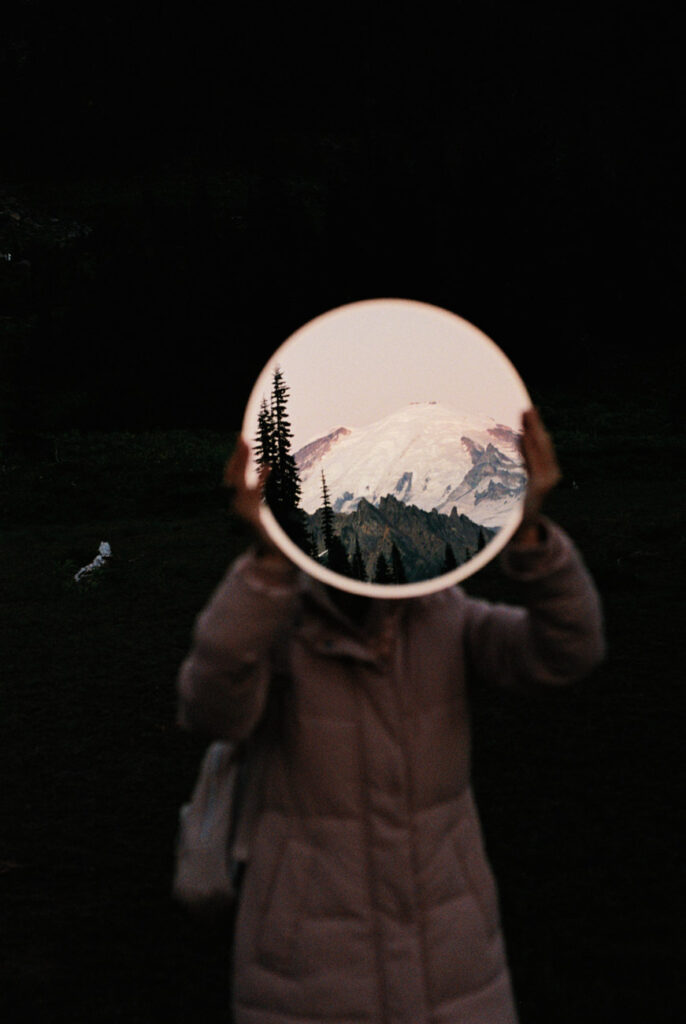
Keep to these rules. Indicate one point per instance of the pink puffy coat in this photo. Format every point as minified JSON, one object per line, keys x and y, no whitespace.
{"x":368,"y":897}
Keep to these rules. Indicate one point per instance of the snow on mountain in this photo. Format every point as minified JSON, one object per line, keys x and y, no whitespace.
{"x":315,"y":451}
{"x":425,"y":454}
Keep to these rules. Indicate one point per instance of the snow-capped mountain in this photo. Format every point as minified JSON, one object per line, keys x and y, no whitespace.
{"x":315,"y":451}
{"x":425,"y":454}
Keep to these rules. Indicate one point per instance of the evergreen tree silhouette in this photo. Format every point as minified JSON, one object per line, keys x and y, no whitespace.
{"x":272,"y":447}
{"x":397,"y":568}
{"x":336,"y":557}
{"x":449,"y":562}
{"x":358,"y":570}
{"x":264,"y":442}
{"x":382,"y":574}
{"x":327,"y":514}
{"x":283,"y":486}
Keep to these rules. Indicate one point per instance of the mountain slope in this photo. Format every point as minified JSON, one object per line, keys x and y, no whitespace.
{"x":425,"y":454}
{"x":420,"y":536}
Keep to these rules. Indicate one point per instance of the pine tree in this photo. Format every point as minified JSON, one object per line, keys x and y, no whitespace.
{"x":357,"y":566}
{"x":327,"y":514}
{"x":284,"y":483}
{"x":264,"y":441}
{"x":449,"y":562}
{"x":382,"y":573}
{"x":397,"y":567}
{"x":273,"y":447}
{"x":336,"y":556}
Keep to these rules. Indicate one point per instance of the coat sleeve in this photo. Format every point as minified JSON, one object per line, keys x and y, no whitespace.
{"x":556,"y":635}
{"x":224,"y":680}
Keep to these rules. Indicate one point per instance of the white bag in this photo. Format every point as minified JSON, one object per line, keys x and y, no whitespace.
{"x":203,"y":879}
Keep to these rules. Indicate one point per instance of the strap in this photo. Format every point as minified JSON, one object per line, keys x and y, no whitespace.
{"x":253,"y":754}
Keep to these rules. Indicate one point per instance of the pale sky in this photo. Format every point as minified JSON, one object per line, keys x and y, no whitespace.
{"x":356,"y":364}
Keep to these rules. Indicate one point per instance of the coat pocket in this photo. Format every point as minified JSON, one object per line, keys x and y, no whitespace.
{"x":285,"y":905}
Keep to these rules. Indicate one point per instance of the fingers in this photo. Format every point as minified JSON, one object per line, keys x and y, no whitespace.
{"x":245,"y":498}
{"x":234,"y":471}
{"x":541,"y":463}
{"x":539,"y":452}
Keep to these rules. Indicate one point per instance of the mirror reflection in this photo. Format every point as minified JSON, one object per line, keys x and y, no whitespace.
{"x":391,"y":429}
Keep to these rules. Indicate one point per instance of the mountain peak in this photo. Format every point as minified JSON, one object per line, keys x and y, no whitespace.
{"x":315,"y":451}
{"x":425,"y":454}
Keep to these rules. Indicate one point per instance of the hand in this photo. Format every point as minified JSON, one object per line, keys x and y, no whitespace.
{"x":245,"y":499}
{"x":544,"y":474}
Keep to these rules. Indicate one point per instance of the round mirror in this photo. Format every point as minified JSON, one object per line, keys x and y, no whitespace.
{"x":392,"y":432}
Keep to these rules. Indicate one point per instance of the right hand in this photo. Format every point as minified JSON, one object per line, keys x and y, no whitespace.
{"x":543,"y":473}
{"x":245,"y":499}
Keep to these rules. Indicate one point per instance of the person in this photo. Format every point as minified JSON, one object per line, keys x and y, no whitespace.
{"x":368,"y":897}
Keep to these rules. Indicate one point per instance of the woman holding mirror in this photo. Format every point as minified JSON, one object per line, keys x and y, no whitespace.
{"x":368,"y":896}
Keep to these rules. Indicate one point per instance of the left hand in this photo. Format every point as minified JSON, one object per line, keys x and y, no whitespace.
{"x":543,"y":471}
{"x":246,"y":498}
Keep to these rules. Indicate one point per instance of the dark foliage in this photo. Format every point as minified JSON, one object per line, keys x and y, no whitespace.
{"x":238,"y":174}
{"x":336,"y":557}
{"x":382,"y":573}
{"x":576,"y":788}
{"x":449,"y":562}
{"x":412,"y":541}
{"x":326,"y":514}
{"x":272,"y":448}
{"x":397,"y":569}
{"x":283,"y":485}
{"x":357,"y":567}
{"x":265,"y":442}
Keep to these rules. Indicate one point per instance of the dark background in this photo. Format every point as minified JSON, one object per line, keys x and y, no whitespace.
{"x":192,"y":186}
{"x":180,"y":189}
